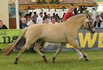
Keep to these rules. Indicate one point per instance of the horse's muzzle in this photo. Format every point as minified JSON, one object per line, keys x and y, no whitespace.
{"x":92,"y":32}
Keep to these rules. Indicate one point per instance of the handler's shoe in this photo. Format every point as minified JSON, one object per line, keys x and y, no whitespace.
{"x":80,"y":56}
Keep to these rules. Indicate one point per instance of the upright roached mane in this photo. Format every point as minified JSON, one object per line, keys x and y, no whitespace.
{"x":65,"y":32}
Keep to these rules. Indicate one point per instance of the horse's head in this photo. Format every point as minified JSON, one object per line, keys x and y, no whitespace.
{"x":88,"y":24}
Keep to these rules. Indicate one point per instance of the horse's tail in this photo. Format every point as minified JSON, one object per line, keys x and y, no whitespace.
{"x":13,"y":45}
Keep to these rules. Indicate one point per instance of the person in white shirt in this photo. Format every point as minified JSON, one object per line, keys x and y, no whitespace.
{"x":40,"y":18}
{"x":29,"y":19}
{"x":94,"y":13}
{"x":101,"y":25}
{"x":30,"y":22}
{"x":101,"y":15}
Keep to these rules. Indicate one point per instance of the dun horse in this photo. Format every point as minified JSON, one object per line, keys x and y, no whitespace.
{"x":65,"y":32}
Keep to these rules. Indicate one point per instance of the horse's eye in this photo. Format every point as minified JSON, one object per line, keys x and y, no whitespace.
{"x":86,"y":20}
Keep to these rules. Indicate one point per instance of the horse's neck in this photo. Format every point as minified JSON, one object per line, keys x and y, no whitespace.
{"x":74,"y":24}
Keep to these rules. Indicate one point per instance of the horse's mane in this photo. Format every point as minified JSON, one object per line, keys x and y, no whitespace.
{"x":76,"y":16}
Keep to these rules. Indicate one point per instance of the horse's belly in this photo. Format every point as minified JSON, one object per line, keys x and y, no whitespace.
{"x":54,"y":38}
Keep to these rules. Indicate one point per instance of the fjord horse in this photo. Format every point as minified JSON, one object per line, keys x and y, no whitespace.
{"x":64,"y":32}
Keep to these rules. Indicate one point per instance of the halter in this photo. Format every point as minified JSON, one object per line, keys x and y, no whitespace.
{"x":88,"y":22}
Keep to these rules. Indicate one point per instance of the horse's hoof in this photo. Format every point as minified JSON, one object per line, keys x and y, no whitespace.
{"x":53,"y":60}
{"x":15,"y":63}
{"x":44,"y":58}
{"x":86,"y":59}
{"x":45,"y":61}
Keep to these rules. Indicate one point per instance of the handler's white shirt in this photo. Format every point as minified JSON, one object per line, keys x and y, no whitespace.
{"x":39,"y":20}
{"x":101,"y":24}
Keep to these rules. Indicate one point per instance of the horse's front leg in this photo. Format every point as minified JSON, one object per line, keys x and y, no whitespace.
{"x":78,"y":52}
{"x":57,"y":52}
{"x":76,"y":46}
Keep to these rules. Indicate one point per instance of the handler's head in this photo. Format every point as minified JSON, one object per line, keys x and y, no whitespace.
{"x":71,"y":8}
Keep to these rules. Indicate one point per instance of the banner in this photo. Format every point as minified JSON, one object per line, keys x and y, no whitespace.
{"x":85,"y":39}
{"x":8,"y":36}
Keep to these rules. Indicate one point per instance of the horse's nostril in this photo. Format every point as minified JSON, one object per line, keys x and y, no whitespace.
{"x":93,"y":32}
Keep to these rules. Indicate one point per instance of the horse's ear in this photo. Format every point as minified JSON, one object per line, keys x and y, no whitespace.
{"x":86,"y":12}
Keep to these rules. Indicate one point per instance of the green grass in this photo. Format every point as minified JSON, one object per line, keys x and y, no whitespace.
{"x":64,"y":61}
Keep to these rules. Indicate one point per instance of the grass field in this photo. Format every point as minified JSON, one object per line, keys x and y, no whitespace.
{"x":65,"y":61}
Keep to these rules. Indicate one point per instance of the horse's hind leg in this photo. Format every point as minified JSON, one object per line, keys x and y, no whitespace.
{"x":39,"y":44}
{"x":57,"y":52}
{"x":21,"y":51}
{"x":75,"y":45}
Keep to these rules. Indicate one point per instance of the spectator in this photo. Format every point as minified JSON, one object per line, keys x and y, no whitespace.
{"x":29,"y":19}
{"x":40,"y":18}
{"x":101,"y":14}
{"x":49,"y":17}
{"x":54,"y":16}
{"x":45,"y":20}
{"x":62,"y":17}
{"x":30,"y":13}
{"x":69,"y":13}
{"x":81,"y":9}
{"x":75,"y":11}
{"x":2,"y":25}
{"x":102,"y":24}
{"x":23,"y":23}
{"x":34,"y":17}
{"x":53,"y":21}
{"x":94,"y":13}
{"x":97,"y":22}
{"x":45,"y":14}
{"x":57,"y":18}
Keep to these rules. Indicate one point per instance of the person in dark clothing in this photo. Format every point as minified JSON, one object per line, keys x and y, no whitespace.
{"x":75,"y":11}
{"x":57,"y":18}
{"x":97,"y":22}
{"x":34,"y":17}
{"x":2,"y":25}
{"x":23,"y":23}
{"x":54,"y":16}
{"x":101,"y":15}
{"x":45,"y":14}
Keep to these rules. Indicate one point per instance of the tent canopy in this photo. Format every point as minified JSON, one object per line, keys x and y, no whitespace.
{"x":33,"y":4}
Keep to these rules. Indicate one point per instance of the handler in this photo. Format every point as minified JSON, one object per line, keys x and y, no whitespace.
{"x":69,"y":13}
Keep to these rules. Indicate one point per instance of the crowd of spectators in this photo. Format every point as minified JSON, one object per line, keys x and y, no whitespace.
{"x":97,"y":18}
{"x":44,"y":18}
